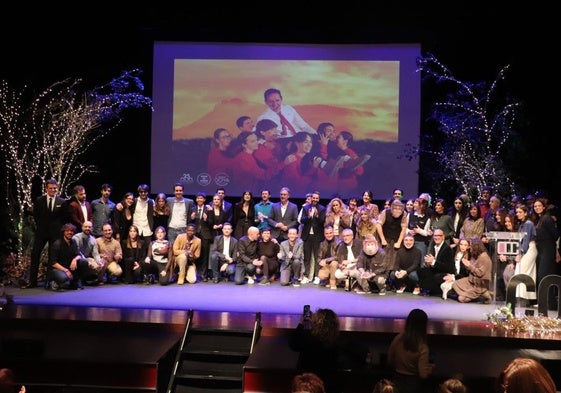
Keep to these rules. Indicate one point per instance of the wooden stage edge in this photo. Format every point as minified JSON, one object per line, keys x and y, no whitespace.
{"x":227,"y":319}
{"x":473,"y":349}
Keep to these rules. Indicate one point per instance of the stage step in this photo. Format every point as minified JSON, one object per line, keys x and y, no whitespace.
{"x":212,"y":359}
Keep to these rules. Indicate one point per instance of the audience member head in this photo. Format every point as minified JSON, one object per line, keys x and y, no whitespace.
{"x":525,"y":375}
{"x":307,"y":383}
{"x":325,"y":325}
{"x":384,"y":386}
{"x":415,"y":332}
{"x":452,"y":385}
{"x":7,"y":383}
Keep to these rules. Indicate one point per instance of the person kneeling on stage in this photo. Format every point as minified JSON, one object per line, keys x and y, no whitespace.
{"x":66,"y":267}
{"x":291,"y":255}
{"x":372,"y":266}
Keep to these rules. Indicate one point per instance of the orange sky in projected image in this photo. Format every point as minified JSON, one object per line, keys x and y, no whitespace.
{"x":359,"y":96}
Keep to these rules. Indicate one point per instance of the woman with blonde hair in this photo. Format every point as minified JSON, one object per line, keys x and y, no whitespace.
{"x":337,"y":216}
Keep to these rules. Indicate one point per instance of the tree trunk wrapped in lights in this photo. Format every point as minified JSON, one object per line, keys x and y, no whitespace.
{"x":45,"y":136}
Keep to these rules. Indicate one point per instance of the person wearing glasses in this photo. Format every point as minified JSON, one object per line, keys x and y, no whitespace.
{"x":439,"y":262}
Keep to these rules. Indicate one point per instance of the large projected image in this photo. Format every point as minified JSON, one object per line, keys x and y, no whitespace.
{"x":246,"y":117}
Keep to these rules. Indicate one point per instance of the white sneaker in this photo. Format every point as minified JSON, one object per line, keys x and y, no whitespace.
{"x":304,"y":280}
{"x":250,"y":280}
{"x":316,"y":280}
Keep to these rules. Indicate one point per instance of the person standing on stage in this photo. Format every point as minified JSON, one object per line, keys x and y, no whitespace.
{"x":79,"y":210}
{"x":180,"y":210}
{"x":48,"y":212}
{"x":102,"y":210}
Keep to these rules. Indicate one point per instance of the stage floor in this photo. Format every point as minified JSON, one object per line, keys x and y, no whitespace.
{"x":270,"y":299}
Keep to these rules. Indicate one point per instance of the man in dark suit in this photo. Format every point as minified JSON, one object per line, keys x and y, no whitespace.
{"x":180,"y":212}
{"x":48,"y":213}
{"x":284,"y":215}
{"x":313,"y":219}
{"x":223,"y":253}
{"x":439,"y":261}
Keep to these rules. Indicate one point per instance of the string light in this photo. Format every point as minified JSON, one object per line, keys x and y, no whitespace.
{"x":473,"y":133}
{"x":44,"y":137}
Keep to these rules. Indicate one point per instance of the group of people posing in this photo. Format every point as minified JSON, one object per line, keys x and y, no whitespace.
{"x":417,"y":246}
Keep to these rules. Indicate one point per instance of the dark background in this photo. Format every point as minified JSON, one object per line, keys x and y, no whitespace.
{"x":42,"y":44}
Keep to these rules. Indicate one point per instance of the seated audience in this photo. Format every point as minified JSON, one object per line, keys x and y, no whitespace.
{"x":525,"y":375}
{"x":452,"y":385}
{"x":384,"y":385}
{"x":307,"y":383}
{"x":316,"y":341}
{"x":408,"y":355}
{"x":7,"y":382}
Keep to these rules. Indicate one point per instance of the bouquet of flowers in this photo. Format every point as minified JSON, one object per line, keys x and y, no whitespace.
{"x":501,"y":314}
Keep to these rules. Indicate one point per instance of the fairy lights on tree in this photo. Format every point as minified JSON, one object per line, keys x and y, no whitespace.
{"x":474,"y":134}
{"x":45,"y":136}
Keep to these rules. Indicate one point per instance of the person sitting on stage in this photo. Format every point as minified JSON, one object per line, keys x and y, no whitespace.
{"x":135,"y":250}
{"x":248,"y":257}
{"x":111,"y":253}
{"x":347,"y":255}
{"x":439,"y":262}
{"x":463,"y":252}
{"x":223,"y":252}
{"x":157,"y":261}
{"x":407,"y":262}
{"x":66,"y":267}
{"x":87,"y":245}
{"x":187,"y":251}
{"x":327,"y":257}
{"x":290,"y":256}
{"x":372,"y":265}
{"x":476,"y":284}
{"x":267,"y":249}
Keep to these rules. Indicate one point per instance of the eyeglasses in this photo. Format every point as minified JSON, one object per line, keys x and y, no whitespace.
{"x":143,"y":192}
{"x":437,"y":235}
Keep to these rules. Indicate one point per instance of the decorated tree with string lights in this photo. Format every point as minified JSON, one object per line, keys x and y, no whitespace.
{"x":45,"y":136}
{"x":473,"y":139}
